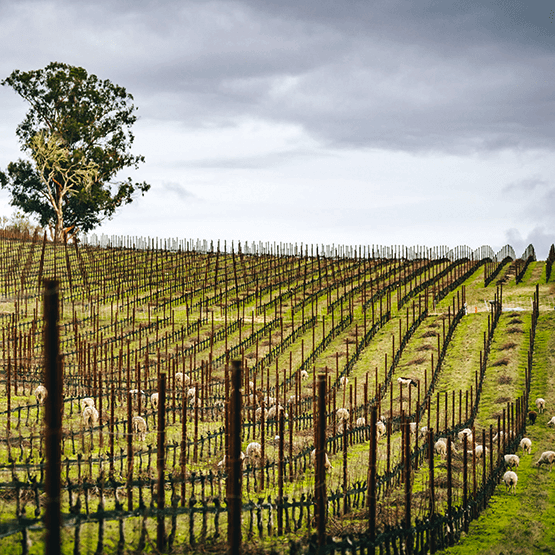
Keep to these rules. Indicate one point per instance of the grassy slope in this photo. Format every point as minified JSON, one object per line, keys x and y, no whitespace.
{"x":524,"y":523}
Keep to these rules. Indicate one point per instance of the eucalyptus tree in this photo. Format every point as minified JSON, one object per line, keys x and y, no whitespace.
{"x":77,"y":138}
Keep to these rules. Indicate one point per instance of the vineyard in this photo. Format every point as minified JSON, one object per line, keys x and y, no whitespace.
{"x":285,"y":398}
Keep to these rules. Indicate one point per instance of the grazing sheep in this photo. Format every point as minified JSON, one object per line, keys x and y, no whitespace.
{"x":86,"y":402}
{"x":344,"y":381}
{"x":510,"y":478}
{"x":466,"y":432}
{"x":90,"y":417}
{"x":41,"y":394}
{"x":479,"y":450}
{"x":222,"y":462}
{"x":191,"y":394}
{"x":304,"y":375}
{"x":526,"y":445}
{"x":380,"y":428}
{"x":274,"y":410}
{"x":258,"y":414}
{"x":181,"y":379}
{"x":407,"y":381}
{"x":540,"y":404}
{"x":547,"y":457}
{"x":139,"y":427}
{"x":512,"y":460}
{"x":254,"y":451}
{"x":327,"y":463}
{"x":361,"y":421}
{"x":440,"y":447}
{"x":551,"y":422}
{"x":154,"y":400}
{"x":532,"y":415}
{"x":342,"y":414}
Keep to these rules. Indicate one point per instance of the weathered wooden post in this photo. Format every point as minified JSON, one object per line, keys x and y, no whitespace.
{"x":53,"y":379}
{"x":234,"y":479}
{"x":161,"y":461}
{"x":281,"y":454}
{"x":371,"y":499}
{"x":320,"y":444}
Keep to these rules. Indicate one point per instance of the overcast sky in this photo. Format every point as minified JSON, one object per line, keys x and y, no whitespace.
{"x":319,"y":121}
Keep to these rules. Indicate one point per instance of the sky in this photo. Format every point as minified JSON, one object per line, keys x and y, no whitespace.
{"x":355,"y":122}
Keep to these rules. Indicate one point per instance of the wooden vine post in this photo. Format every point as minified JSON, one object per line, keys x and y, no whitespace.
{"x":53,"y":379}
{"x":234,"y":473}
{"x":161,"y":462}
{"x":320,"y":444}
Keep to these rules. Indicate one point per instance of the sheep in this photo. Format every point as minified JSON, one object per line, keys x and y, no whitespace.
{"x":466,"y":432}
{"x":532,"y":415}
{"x":154,"y":400}
{"x":274,"y":410}
{"x":304,"y":375}
{"x":327,"y":462}
{"x":342,"y":414}
{"x":540,"y":404}
{"x":412,"y":427}
{"x":223,"y":461}
{"x":407,"y":381}
{"x":440,"y":447}
{"x":258,"y":414}
{"x":423,"y":432}
{"x":551,"y":422}
{"x":526,"y":445}
{"x":479,"y":450}
{"x":380,"y":428}
{"x":181,"y":379}
{"x":512,"y":460}
{"x":361,"y":421}
{"x":90,"y":417}
{"x":86,"y":402}
{"x":41,"y":394}
{"x":254,"y":451}
{"x":510,"y":478}
{"x":498,"y":436}
{"x":344,"y":381}
{"x":547,"y":457}
{"x":139,"y":427}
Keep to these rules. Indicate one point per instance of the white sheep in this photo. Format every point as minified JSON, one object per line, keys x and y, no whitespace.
{"x":547,"y":457}
{"x":181,"y":379}
{"x":304,"y":375}
{"x":423,"y":432}
{"x":412,"y":427}
{"x":512,"y":460}
{"x":327,"y":463}
{"x":440,"y":447}
{"x":258,"y":414}
{"x":344,"y":381}
{"x":154,"y":400}
{"x":526,"y":445}
{"x":342,"y":414}
{"x":380,"y":428}
{"x":86,"y":402}
{"x":496,"y":436}
{"x":361,"y":421}
{"x":191,"y":393}
{"x":139,"y":427}
{"x":479,"y":450}
{"x":540,"y":403}
{"x":551,"y":422}
{"x":510,"y":478}
{"x":407,"y":381}
{"x":254,"y":451}
{"x":90,"y":417}
{"x":274,"y":410}
{"x":41,"y":394}
{"x":466,"y":432}
{"x":222,"y":462}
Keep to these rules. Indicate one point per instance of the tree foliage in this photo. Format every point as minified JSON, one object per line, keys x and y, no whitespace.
{"x":77,"y":136}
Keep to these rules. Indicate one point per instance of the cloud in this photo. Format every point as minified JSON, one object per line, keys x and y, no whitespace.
{"x":525,"y":185}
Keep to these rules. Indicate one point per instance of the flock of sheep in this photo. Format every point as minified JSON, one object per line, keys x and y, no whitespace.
{"x":254,"y":450}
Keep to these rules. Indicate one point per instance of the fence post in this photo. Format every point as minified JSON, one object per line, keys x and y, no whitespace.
{"x":161,"y":529}
{"x":372,"y":477}
{"x":53,"y":380}
{"x":233,"y":484}
{"x":320,"y":444}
